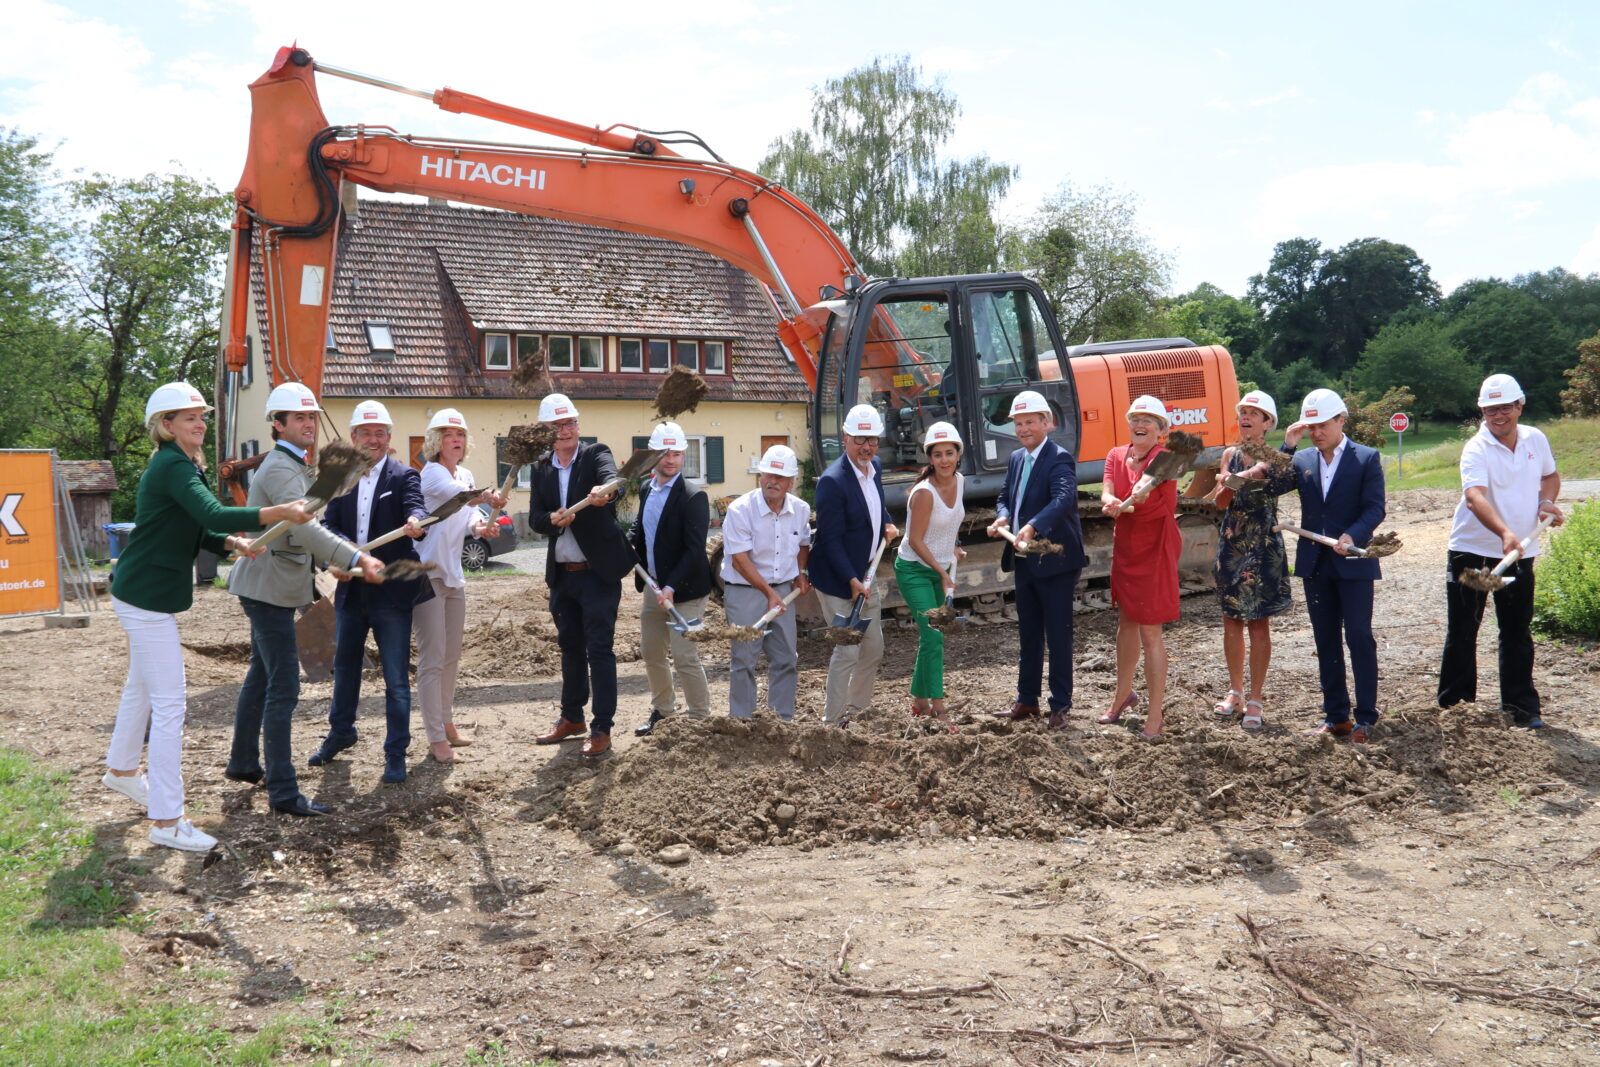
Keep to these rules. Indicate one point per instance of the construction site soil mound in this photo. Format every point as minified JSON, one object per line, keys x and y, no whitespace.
{"x":725,"y":785}
{"x":523,"y":644}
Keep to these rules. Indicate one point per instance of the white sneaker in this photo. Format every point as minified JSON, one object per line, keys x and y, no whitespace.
{"x":136,"y":787}
{"x":182,"y":835}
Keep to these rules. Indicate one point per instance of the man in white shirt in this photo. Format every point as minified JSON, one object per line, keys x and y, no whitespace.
{"x":766,"y":539}
{"x":1509,"y":483}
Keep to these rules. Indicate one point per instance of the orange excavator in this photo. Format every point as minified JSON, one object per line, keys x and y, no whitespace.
{"x":919,"y":349}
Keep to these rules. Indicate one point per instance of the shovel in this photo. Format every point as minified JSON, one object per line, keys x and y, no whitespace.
{"x":945,"y":619}
{"x":854,"y":621}
{"x":339,"y":467}
{"x":679,"y":624}
{"x":1488,"y":581}
{"x":438,"y":514}
{"x":1170,"y":464}
{"x":761,"y":624}
{"x":639,"y":464}
{"x":1321,"y":539}
{"x":1038,"y":546}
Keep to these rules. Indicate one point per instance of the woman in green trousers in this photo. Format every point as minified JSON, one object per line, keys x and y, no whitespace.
{"x":927,"y":556}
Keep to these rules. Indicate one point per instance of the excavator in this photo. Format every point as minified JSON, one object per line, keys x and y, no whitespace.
{"x":919,"y":349}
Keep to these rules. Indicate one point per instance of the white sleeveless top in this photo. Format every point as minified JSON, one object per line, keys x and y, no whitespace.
{"x":944,"y":525}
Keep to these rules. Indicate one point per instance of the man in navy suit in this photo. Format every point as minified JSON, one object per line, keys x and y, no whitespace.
{"x":389,"y":495}
{"x":851,"y":523}
{"x":1040,"y":498}
{"x":1341,"y":496}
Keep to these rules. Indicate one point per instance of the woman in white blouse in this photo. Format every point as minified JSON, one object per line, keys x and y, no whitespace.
{"x":440,"y":622}
{"x":927,"y":556}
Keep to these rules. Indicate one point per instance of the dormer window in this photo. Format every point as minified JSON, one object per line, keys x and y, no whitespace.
{"x":379,"y":339}
{"x":497,"y":351}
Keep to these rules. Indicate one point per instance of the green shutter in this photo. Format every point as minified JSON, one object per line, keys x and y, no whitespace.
{"x":641,"y":443}
{"x":714,"y":473}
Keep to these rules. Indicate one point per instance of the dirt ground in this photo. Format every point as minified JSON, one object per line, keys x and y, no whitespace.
{"x":752,"y":893}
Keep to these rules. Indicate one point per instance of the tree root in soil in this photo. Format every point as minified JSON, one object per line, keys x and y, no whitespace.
{"x":837,"y":984}
{"x":1343,"y":1020}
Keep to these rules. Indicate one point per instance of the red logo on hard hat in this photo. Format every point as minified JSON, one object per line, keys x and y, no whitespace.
{"x":369,"y":414}
{"x":1312,"y":412}
{"x":863,"y":425}
{"x":454,"y":421}
{"x":561,"y":411}
{"x":1494,"y":395}
{"x":307,"y":402}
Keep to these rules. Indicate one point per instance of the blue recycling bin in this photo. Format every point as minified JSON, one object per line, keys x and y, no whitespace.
{"x":117,"y":534}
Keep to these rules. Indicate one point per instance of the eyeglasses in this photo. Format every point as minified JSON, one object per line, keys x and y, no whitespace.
{"x":1500,"y":409}
{"x":866,"y":441}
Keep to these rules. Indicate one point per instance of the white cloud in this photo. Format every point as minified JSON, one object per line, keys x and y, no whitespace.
{"x":1291,"y":93}
{"x":1587,"y":259}
{"x":947,"y":59}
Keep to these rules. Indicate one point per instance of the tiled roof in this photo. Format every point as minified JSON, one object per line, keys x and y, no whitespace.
{"x":440,"y":275}
{"x":88,"y":475}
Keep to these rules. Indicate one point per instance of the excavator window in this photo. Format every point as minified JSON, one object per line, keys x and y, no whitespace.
{"x":1008,"y":334}
{"x":905,"y":373}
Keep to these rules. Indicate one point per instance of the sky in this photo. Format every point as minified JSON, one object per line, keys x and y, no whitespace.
{"x":1469,"y":130}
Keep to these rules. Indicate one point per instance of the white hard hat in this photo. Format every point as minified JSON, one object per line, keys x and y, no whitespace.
{"x":174,"y":396}
{"x":779,"y":459}
{"x":1152,"y":406}
{"x":941,"y":433}
{"x":1320,"y":405}
{"x":863,"y":421}
{"x":370,"y":413}
{"x":1029,"y":402}
{"x":668,"y":436}
{"x":447,"y":418}
{"x":291,"y":396}
{"x":1255,"y":398}
{"x":557,"y":406}
{"x":1499,"y":389}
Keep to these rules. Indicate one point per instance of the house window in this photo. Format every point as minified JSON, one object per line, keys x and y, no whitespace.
{"x":497,"y":351}
{"x":694,"y":458}
{"x":688,"y":354}
{"x":716,"y":353}
{"x":527,"y":347}
{"x":559,"y":349}
{"x":380,"y":339}
{"x":630,"y":354}
{"x":591,"y":353}
{"x":660,"y":357}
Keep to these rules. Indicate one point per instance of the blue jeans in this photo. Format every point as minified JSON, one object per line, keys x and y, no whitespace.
{"x":391,"y":629}
{"x":267,"y":699}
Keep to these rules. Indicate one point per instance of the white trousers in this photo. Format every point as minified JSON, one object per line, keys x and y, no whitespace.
{"x":153,"y":696}
{"x":438,"y":625}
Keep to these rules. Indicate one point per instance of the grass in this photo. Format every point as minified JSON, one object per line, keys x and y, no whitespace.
{"x":63,"y":993}
{"x":1576,"y":443}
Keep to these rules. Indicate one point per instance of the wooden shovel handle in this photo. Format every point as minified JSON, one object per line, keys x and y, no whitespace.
{"x":278,"y":529}
{"x":1512,"y":557}
{"x":610,"y":487}
{"x":773,"y":613}
{"x":1321,"y":539}
{"x":394,"y":535}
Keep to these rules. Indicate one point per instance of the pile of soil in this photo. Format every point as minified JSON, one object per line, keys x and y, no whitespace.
{"x":508,"y":647}
{"x":725,"y":785}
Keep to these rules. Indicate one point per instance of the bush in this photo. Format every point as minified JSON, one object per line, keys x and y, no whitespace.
{"x":1567,"y":592}
{"x":1368,"y":423}
{"x":1582,"y":395}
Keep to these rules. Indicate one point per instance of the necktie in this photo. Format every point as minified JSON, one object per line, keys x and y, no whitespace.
{"x":1022,"y":484}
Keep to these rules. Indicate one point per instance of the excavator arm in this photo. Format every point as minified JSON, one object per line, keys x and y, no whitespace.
{"x":288,"y":201}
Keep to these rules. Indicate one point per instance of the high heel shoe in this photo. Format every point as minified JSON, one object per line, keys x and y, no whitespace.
{"x":1114,"y":716}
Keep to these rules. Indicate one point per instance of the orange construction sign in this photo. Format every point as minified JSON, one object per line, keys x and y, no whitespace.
{"x":30,"y":572}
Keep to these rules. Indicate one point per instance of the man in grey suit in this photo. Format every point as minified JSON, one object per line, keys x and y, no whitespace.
{"x":270,"y":588}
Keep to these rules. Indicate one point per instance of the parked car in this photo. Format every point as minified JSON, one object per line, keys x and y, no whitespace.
{"x":476,"y":551}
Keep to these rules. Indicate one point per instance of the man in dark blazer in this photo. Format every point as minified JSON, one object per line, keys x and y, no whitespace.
{"x":587,"y":556}
{"x":1341,"y":496}
{"x":669,"y":540}
{"x":851,"y":523}
{"x":388,"y":496}
{"x":1040,"y":501}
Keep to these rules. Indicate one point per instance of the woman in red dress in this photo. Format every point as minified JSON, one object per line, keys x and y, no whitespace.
{"x":1144,"y":560}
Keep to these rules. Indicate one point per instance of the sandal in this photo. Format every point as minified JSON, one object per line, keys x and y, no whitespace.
{"x":1111,"y":718}
{"x":1252,"y":719}
{"x":920,"y":712}
{"x":1229,"y":704}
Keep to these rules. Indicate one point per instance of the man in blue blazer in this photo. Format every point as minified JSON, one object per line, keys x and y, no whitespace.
{"x":1341,"y":496}
{"x":852,"y":521}
{"x":1040,"y":500}
{"x":389,"y":495}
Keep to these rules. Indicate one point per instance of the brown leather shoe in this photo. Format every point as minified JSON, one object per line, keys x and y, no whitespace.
{"x":1058,"y":720}
{"x":1362,"y":734}
{"x":1336,"y":729}
{"x":597,"y":745}
{"x":1019,"y":711}
{"x":563,"y":729}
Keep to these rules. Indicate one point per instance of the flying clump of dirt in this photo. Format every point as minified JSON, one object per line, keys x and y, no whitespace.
{"x":726,"y":785}
{"x":680,"y":393}
{"x":529,"y":443}
{"x":532,"y":376}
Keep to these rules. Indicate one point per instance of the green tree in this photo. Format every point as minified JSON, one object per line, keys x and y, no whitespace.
{"x":872,"y":165}
{"x":1573,"y":299}
{"x":1507,"y":330}
{"x":145,"y":257}
{"x":1286,"y":296}
{"x":1421,"y":357}
{"x":1207,"y":315}
{"x":1102,"y":274}
{"x":29,"y":243}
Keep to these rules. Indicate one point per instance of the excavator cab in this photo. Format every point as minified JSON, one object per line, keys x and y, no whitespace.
{"x":925,"y":350}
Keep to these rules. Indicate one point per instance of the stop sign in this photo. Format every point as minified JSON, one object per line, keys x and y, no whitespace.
{"x":1399,"y":422}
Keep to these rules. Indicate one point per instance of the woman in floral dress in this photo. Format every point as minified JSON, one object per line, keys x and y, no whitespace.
{"x":1252,"y":567}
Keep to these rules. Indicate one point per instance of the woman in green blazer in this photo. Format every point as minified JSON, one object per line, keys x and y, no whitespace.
{"x":176,"y":516}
